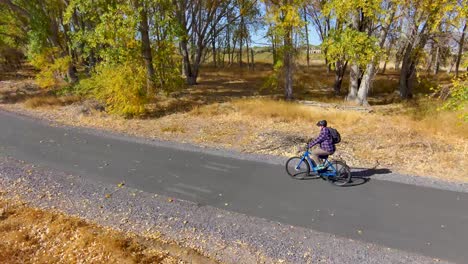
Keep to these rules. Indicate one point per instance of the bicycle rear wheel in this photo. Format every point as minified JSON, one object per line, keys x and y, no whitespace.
{"x":343,"y":173}
{"x":297,"y":167}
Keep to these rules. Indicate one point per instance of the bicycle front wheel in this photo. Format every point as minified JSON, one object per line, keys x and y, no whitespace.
{"x":343,"y":173}
{"x":297,"y":167}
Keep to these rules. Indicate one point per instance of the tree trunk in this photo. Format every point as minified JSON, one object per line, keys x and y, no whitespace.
{"x":145,"y":46}
{"x":247,"y":49}
{"x":354,"y":74}
{"x":436,"y":67}
{"x":273,"y":50}
{"x":213,"y":47}
{"x":366,"y":83}
{"x":460,"y":49}
{"x":307,"y":37}
{"x":449,"y":69}
{"x":288,"y":65}
{"x":228,"y":43}
{"x":240,"y":53}
{"x":71,"y":68}
{"x":431,"y":60}
{"x":190,"y":74}
{"x":234,"y":41}
{"x":252,"y":58}
{"x":337,"y":84}
{"x":387,"y":55}
{"x":340,"y":70}
{"x":410,"y":60}
{"x":398,"y":57}
{"x":407,"y":74}
{"x":371,"y":68}
{"x":146,"y":49}
{"x":384,"y":68}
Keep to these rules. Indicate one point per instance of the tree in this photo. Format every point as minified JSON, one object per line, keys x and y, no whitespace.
{"x":306,"y":30}
{"x":285,"y":18}
{"x":461,"y":45}
{"x":198,"y":21}
{"x":322,"y":23}
{"x":48,"y":35}
{"x":146,"y":53}
{"x":423,"y":18}
{"x":13,"y":37}
{"x":352,"y":42}
{"x":371,"y":67}
{"x":248,"y":12}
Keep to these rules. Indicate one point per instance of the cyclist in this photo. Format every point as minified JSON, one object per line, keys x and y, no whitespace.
{"x":326,"y":144}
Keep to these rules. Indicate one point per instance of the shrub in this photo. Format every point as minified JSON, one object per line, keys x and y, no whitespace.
{"x":458,"y":96}
{"x":52,"y":68}
{"x":121,"y":87}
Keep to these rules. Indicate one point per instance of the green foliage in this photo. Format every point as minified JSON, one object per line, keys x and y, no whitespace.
{"x":350,"y":45}
{"x":120,"y":86}
{"x":457,"y":95}
{"x":426,"y":84}
{"x":167,"y":66}
{"x":274,"y":80}
{"x":115,"y":37}
{"x":11,"y":33}
{"x":458,"y":99}
{"x":119,"y":79}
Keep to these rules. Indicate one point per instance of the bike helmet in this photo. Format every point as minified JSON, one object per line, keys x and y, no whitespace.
{"x":322,"y":123}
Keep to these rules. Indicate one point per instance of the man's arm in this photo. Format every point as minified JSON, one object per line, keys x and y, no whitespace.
{"x":318,"y":140}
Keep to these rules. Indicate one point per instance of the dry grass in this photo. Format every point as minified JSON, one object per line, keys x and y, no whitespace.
{"x":36,"y":236}
{"x":427,"y":146}
{"x":423,"y":115}
{"x":173,"y":128}
{"x":287,"y":112}
{"x":50,"y":101}
{"x":400,"y":137}
{"x":411,"y":137}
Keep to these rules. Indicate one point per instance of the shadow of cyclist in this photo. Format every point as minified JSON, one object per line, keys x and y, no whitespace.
{"x":359,"y":176}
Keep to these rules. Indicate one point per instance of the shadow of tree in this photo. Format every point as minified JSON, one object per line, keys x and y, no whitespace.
{"x":17,"y":85}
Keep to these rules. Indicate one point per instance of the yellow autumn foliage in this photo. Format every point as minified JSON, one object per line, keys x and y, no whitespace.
{"x":121,"y":87}
{"x":52,"y":68}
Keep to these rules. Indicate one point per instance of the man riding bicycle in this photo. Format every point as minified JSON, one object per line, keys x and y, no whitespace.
{"x":326,"y":144}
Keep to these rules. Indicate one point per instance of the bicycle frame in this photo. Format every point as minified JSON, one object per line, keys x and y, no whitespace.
{"x":323,"y":173}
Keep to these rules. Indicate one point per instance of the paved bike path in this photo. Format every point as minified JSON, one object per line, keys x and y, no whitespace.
{"x":427,"y":221}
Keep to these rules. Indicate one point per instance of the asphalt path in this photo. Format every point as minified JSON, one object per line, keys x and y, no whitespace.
{"x":427,"y":221}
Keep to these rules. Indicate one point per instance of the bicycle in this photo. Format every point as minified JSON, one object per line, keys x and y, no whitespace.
{"x":335,"y":171}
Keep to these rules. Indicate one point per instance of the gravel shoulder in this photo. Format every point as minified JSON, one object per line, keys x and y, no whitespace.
{"x":221,"y":235}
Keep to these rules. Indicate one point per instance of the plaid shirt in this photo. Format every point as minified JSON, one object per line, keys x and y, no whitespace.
{"x":325,"y":140}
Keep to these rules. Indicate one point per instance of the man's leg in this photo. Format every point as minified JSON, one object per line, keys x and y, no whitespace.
{"x":315,"y":153}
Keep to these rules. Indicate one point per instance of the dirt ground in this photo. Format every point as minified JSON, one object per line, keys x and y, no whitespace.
{"x":31,"y":235}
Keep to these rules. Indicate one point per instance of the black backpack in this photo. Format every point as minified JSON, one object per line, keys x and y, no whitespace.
{"x":336,"y":138}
